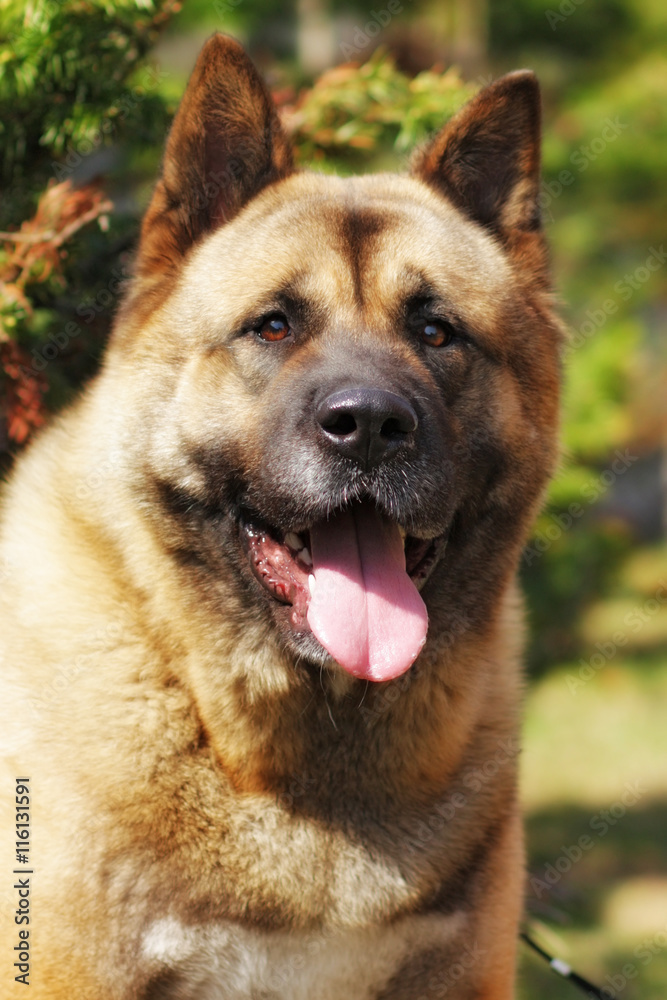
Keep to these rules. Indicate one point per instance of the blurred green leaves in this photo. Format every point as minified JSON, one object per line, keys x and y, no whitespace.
{"x":65,"y":79}
{"x":73,"y":83}
{"x":368,"y":107}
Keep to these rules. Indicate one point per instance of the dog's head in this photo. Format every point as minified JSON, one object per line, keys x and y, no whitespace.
{"x":353,"y":383}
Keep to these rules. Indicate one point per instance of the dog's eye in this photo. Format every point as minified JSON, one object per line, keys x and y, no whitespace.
{"x":436,"y":333}
{"x":273,"y":328}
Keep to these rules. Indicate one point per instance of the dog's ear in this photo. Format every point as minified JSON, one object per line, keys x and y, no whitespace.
{"x":486,"y":160}
{"x":226,"y":143}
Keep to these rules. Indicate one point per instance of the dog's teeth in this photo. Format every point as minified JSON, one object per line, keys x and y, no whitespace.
{"x":402,"y":532}
{"x":293,"y":541}
{"x":311,"y":585}
{"x":305,"y":556}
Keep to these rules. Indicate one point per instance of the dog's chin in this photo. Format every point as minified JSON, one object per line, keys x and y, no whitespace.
{"x":281,"y":563}
{"x":303,"y":646}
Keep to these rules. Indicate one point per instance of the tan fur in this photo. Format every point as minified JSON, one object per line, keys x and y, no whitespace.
{"x":212,"y":815}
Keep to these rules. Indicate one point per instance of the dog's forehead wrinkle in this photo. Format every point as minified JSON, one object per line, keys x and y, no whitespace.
{"x":360,"y":226}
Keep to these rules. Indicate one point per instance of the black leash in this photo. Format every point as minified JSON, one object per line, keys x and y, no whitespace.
{"x":564,"y":970}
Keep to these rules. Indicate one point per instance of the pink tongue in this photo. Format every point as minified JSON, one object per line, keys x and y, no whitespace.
{"x":365,"y":609}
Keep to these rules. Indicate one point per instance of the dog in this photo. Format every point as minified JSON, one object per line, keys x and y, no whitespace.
{"x":261,"y":630}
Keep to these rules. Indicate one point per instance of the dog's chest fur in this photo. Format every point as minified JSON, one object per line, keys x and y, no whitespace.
{"x":194,"y":962}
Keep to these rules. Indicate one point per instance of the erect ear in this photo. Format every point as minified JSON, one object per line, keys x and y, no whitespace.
{"x":226,"y":143}
{"x":486,"y":160}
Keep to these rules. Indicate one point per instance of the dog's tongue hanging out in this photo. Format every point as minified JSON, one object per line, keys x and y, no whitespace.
{"x":364,"y":608}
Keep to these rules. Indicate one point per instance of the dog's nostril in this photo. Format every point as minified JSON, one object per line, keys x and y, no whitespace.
{"x":394,"y":427}
{"x":340,"y":423}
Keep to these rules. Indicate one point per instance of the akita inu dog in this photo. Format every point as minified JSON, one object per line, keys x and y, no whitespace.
{"x":260,"y":626}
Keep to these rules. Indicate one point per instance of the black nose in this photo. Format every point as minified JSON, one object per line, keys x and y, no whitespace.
{"x":365,"y":424}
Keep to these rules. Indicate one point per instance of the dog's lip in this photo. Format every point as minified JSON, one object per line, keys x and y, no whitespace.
{"x":275,"y":563}
{"x":280,"y":560}
{"x":421,"y":556}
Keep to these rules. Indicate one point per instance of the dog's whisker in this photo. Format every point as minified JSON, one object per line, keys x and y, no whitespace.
{"x":326,"y":700}
{"x":366,"y":686}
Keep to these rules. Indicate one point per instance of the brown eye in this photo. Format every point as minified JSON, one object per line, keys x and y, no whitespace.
{"x":273,"y":328}
{"x":436,"y":333}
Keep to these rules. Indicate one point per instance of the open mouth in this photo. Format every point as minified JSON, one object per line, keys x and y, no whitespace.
{"x":353,"y":580}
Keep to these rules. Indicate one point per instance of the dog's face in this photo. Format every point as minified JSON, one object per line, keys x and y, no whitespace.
{"x":358,"y":378}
